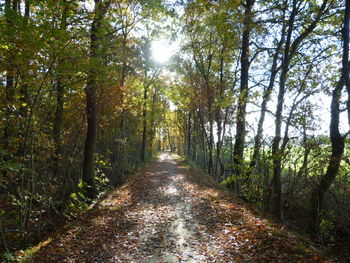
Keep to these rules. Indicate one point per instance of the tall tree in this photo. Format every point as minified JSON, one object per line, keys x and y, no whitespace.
{"x":244,"y":89}
{"x":267,"y":92}
{"x":10,"y":14}
{"x":60,"y":90}
{"x":100,"y":11}
{"x":337,"y":139}
{"x":290,"y":48}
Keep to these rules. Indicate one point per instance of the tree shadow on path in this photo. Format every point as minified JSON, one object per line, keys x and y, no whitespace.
{"x":169,"y":212}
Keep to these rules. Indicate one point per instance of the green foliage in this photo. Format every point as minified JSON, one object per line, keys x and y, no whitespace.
{"x":78,"y":203}
{"x":102,"y":167}
{"x":8,"y":257}
{"x":230,"y":180}
{"x":327,"y":227}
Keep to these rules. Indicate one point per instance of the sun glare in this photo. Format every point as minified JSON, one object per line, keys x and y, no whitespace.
{"x":162,"y":51}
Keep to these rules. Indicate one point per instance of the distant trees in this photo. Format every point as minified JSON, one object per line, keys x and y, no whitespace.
{"x":210,"y":83}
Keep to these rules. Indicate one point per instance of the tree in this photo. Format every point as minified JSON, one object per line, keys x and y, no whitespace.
{"x":100,"y":11}
{"x":267,"y":92}
{"x":244,"y":89}
{"x":337,"y":139}
{"x":290,"y":48}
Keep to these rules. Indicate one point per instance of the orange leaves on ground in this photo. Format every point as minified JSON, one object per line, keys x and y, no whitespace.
{"x":171,"y":212}
{"x":241,"y":232}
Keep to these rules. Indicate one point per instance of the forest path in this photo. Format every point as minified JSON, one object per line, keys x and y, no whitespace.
{"x":170,"y":212}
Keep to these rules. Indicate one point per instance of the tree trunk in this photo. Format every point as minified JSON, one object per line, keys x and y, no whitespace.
{"x":9,"y":85}
{"x":24,"y":95}
{"x":290,"y":50}
{"x":266,"y":98}
{"x":16,"y":5}
{"x":119,"y":156}
{"x":243,"y":96}
{"x":337,"y":140}
{"x":144,"y":124}
{"x":189,"y":134}
{"x":58,"y":118}
{"x":210,"y":142}
{"x":218,"y":116}
{"x":276,"y":191}
{"x":90,"y":91}
{"x":210,"y":148}
{"x":57,"y":125}
{"x":152,"y":130}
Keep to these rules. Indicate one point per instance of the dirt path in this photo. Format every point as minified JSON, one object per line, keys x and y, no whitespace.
{"x":171,"y":213}
{"x":169,"y":229}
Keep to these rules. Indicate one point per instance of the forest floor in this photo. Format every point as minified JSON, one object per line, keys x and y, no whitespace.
{"x":170,"y":212}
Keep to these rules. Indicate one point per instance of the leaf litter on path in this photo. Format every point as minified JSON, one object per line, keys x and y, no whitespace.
{"x":170,"y":212}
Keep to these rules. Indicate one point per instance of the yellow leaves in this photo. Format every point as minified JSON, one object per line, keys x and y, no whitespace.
{"x":26,"y":255}
{"x":4,"y":47}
